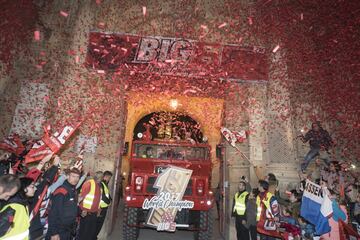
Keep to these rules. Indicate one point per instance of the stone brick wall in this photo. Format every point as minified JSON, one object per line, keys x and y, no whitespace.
{"x":76,"y":91}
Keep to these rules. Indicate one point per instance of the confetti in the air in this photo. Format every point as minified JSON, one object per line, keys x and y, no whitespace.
{"x":64,"y":14}
{"x":276,"y":49}
{"x":222,"y":25}
{"x":37,"y":35}
{"x":320,"y":39}
{"x":144,"y":11}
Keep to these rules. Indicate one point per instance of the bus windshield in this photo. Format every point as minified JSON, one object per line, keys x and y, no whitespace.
{"x":156,"y":151}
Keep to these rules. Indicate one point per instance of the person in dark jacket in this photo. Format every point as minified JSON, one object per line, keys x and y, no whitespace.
{"x":20,"y":203}
{"x":319,"y":139}
{"x":63,"y":209}
{"x":105,"y":201}
{"x":36,"y":227}
{"x":251,"y":213}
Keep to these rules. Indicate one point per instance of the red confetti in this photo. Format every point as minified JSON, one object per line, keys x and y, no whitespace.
{"x":275,"y":49}
{"x":222,"y":25}
{"x":322,"y":52}
{"x":37,"y":35}
{"x":64,"y":14}
{"x":144,"y":11}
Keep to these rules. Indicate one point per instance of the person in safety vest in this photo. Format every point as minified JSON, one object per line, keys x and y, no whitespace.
{"x":239,"y":212}
{"x":9,"y":185}
{"x":267,"y":215}
{"x":90,"y":197}
{"x":105,"y":200}
{"x":63,"y":209}
{"x":19,"y":202}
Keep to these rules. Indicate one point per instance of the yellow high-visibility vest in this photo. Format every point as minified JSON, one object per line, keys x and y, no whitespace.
{"x":107,"y":194}
{"x":266,"y":202}
{"x":89,"y":198}
{"x":240,"y":205}
{"x":21,"y":223}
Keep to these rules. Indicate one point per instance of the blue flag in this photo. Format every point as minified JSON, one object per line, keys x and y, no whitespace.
{"x":316,"y":207}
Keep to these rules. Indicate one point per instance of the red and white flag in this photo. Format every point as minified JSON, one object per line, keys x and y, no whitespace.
{"x":12,"y":144}
{"x":50,"y":143}
{"x":234,"y":136}
{"x":347,"y":232}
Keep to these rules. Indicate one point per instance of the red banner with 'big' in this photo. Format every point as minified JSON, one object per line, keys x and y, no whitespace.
{"x":128,"y":53}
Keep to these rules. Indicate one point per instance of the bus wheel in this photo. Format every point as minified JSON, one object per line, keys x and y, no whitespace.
{"x":205,"y":226}
{"x":130,"y":230}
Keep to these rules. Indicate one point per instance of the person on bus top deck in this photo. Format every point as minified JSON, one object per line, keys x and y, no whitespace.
{"x":149,"y":153}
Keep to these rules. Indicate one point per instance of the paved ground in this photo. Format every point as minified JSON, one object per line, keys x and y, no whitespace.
{"x":147,"y":234}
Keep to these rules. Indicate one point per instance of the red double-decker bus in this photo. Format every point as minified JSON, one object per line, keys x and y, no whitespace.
{"x":148,"y":159}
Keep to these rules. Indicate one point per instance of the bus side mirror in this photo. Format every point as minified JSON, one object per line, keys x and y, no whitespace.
{"x":219,"y":151}
{"x":126,"y":148}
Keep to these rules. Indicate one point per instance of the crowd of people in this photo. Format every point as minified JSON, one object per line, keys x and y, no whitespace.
{"x":264,"y":213}
{"x":48,"y":202}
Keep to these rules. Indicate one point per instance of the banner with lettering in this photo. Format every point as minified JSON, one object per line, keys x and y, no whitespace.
{"x":50,"y":143}
{"x":131,"y":54}
{"x":171,"y":185}
{"x":316,"y":207}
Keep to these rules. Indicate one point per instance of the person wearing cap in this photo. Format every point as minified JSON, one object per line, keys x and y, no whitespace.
{"x":239,"y":211}
{"x":90,"y":197}
{"x":63,"y":208}
{"x":20,"y":203}
{"x":105,"y":200}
